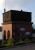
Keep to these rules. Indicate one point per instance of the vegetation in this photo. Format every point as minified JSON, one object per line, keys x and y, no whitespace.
{"x":8,"y":43}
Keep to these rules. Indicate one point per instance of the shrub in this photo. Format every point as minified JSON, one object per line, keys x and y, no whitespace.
{"x":9,"y":43}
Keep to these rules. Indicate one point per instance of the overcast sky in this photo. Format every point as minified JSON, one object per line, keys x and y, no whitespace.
{"x":25,"y":5}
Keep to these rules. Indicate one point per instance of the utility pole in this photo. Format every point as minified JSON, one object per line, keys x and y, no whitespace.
{"x":5,"y":6}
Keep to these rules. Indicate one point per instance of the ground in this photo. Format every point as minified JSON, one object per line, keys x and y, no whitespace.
{"x":24,"y":47}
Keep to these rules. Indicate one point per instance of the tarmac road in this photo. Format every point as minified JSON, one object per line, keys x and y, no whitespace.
{"x":24,"y":47}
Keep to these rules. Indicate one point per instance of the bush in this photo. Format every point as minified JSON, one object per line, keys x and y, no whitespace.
{"x":9,"y":43}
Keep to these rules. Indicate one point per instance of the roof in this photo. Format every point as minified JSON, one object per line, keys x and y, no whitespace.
{"x":18,"y":11}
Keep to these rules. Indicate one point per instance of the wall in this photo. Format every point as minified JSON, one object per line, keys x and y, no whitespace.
{"x":7,"y":27}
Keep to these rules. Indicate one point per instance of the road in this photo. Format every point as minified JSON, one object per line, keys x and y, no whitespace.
{"x":24,"y":47}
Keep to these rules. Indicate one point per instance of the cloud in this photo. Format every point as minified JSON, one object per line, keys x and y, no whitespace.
{"x":1,"y":10}
{"x":16,"y":4}
{"x":1,"y":4}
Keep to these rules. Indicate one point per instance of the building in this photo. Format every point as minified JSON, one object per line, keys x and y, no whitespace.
{"x":16,"y":24}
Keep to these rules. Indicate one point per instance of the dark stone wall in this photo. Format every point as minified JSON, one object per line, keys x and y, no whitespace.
{"x":16,"y":16}
{"x":20,"y":16}
{"x":7,"y":17}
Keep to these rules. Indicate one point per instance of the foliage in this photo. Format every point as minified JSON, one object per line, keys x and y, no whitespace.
{"x":8,"y":43}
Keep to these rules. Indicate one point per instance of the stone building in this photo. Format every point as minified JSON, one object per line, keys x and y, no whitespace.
{"x":16,"y":24}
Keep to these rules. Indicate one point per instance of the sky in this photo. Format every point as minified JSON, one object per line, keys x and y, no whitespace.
{"x":25,"y":5}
